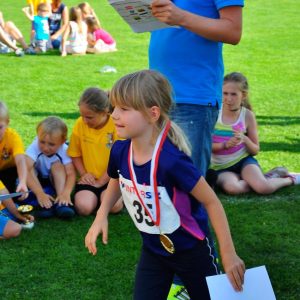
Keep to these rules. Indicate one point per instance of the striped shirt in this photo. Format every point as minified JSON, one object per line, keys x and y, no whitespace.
{"x":226,"y":158}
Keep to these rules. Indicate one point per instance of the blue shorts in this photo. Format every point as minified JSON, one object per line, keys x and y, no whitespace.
{"x":239,"y":166}
{"x":5,"y":216}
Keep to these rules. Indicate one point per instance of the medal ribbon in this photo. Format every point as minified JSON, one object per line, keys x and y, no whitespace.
{"x":153,"y":170}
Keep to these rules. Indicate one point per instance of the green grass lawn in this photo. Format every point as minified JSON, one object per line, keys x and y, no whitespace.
{"x":50,"y":262}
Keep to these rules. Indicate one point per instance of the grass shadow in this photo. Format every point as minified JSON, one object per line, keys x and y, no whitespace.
{"x":294,"y":146}
{"x":278,"y":120}
{"x":71,"y":115}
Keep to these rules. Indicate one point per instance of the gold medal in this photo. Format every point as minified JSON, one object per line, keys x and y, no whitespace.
{"x":167,"y":243}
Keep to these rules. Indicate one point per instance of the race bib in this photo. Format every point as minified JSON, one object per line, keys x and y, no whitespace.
{"x":169,"y":218}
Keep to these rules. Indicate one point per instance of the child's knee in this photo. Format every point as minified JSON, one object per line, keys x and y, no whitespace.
{"x":231,"y":188}
{"x":117,"y":207}
{"x":57,"y":167}
{"x":84,"y":209}
{"x":12,"y":230}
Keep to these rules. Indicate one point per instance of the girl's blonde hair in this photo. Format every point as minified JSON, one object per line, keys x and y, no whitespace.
{"x":242,"y":81}
{"x":52,"y":125}
{"x":84,"y":6}
{"x":95,"y":99}
{"x":144,"y":89}
{"x":3,"y":111}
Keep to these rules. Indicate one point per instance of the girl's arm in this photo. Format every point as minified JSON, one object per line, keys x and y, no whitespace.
{"x":65,"y":196}
{"x":64,"y":39}
{"x":104,"y":179}
{"x":20,"y":161}
{"x":251,"y":139}
{"x":90,"y":39}
{"x":2,"y":23}
{"x":64,"y":24}
{"x":100,"y":224}
{"x":233,"y":265}
{"x":226,"y":29}
{"x":85,"y":177}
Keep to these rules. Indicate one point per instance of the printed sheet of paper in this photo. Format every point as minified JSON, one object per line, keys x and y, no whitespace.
{"x":137,"y":13}
{"x":257,"y":286}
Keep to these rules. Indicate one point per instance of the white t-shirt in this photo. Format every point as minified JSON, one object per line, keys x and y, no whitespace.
{"x":42,"y":162}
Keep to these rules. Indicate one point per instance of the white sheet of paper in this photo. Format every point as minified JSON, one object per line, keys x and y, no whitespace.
{"x":257,"y":286}
{"x":137,"y":13}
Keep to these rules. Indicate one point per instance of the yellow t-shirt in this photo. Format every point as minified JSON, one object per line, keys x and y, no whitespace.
{"x":93,"y":145}
{"x":36,"y":3}
{"x":10,"y":146}
{"x":1,"y":188}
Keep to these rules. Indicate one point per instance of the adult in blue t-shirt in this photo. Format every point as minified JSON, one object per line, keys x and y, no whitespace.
{"x":190,"y":56}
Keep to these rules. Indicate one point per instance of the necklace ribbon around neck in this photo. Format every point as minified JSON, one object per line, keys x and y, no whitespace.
{"x":153,"y":171}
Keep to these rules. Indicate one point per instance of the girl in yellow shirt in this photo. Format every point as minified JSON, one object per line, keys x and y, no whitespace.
{"x":91,"y":140}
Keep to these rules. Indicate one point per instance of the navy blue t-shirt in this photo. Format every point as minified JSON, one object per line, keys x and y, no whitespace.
{"x":55,"y":19}
{"x":178,"y":175}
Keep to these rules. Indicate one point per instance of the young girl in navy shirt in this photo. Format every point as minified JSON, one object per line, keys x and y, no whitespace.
{"x":161,"y":189}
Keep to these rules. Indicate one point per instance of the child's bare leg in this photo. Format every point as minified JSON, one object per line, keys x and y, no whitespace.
{"x":6,"y":40}
{"x":11,"y":230}
{"x":232,"y":183}
{"x":15,"y":33}
{"x":85,"y":202}
{"x":253,"y":175}
{"x":58,"y":174}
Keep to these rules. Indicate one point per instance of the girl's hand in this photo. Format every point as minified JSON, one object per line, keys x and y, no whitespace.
{"x":87,"y":178}
{"x":22,"y":187}
{"x":98,"y":227}
{"x":64,"y":199}
{"x":235,"y":270}
{"x":232,"y":142}
{"x":25,"y":218}
{"x":45,"y":200}
{"x":239,"y":136}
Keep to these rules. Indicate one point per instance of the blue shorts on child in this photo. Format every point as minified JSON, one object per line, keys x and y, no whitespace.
{"x":5,"y":216}
{"x":61,"y":211}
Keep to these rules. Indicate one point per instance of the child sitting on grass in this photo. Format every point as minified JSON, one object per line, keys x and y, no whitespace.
{"x":74,"y":40}
{"x":11,"y":220}
{"x":235,"y":143}
{"x":12,"y":156}
{"x":92,"y":138}
{"x":40,"y":26}
{"x":12,"y":167}
{"x":51,"y":175}
{"x":88,"y":12}
{"x":99,"y":40}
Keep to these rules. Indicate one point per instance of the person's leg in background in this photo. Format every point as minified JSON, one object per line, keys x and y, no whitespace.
{"x":197,"y":122}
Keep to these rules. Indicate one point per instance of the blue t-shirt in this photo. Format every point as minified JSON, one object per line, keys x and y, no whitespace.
{"x":177,"y":174}
{"x":193,"y":64}
{"x":41,"y":28}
